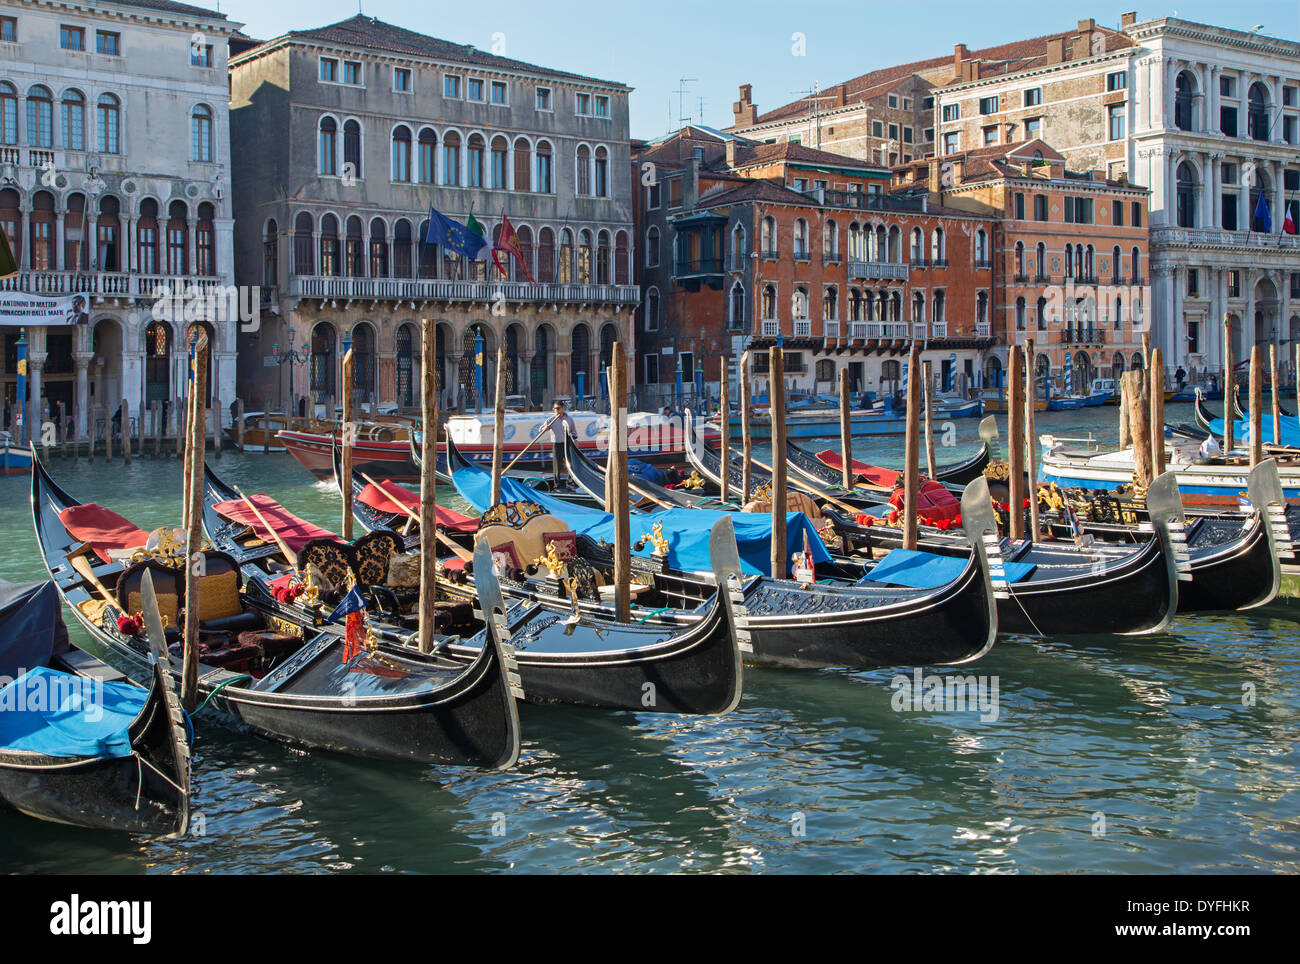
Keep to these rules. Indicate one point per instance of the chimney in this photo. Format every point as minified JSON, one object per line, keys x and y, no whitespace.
{"x":1082,"y":48}
{"x":743,"y":111}
{"x":731,"y":155}
{"x":933,"y":182}
{"x":842,"y":93}
{"x":963,"y":66}
{"x":1055,"y":50}
{"x":691,"y":184}
{"x":1128,"y":19}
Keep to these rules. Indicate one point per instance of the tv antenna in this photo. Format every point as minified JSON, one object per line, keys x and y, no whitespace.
{"x":815,"y":97}
{"x":681,"y":98}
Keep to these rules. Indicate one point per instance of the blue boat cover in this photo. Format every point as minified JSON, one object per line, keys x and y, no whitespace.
{"x":927,"y":570}
{"x":687,"y":530}
{"x":61,"y":715}
{"x":644,"y":470}
{"x":1290,"y":426}
{"x":31,"y":626}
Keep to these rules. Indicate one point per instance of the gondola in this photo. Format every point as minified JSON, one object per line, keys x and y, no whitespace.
{"x":643,"y":493}
{"x":851,"y":620}
{"x":567,"y":490}
{"x":124,"y":765}
{"x":391,"y":704}
{"x":693,"y":667}
{"x":826,"y":473}
{"x":1213,"y":425}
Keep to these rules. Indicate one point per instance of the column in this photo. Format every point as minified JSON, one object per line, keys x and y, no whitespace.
{"x":1282,"y":279}
{"x":1275,"y":170}
{"x":35,"y":411}
{"x":1212,"y":99}
{"x":1167,"y":93}
{"x":1177,"y":344}
{"x":81,"y":400}
{"x":1243,"y":109}
{"x":25,"y":227}
{"x":1207,"y":190}
{"x":1275,"y":132}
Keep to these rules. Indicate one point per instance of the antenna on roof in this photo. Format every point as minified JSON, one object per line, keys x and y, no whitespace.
{"x":814,"y":109}
{"x":681,"y":99}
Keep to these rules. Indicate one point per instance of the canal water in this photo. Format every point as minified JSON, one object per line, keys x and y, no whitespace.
{"x":1171,"y":753}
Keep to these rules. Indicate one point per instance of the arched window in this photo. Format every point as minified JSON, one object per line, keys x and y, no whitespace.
{"x":855,"y":242}
{"x":354,"y":256}
{"x":896,"y":306}
{"x":451,"y":159}
{"x":1257,"y":121}
{"x":157,"y":362}
{"x":940,"y":307}
{"x":855,"y":304}
{"x":881,"y":251}
{"x":918,"y":249}
{"x":107,"y":120}
{"x":1135,"y":264}
{"x":402,"y":267}
{"x":427,"y":148}
{"x":938,"y":250}
{"x":302,"y":244}
{"x":500,"y":163}
{"x":545,"y":256}
{"x":178,"y":255}
{"x":43,"y":232}
{"x":72,"y":113}
{"x":523,"y":164}
{"x":769,"y":302}
{"x":363,"y":355}
{"x":1069,"y":261}
{"x":8,"y":113}
{"x":1020,"y":314}
{"x":1020,"y":259}
{"x":652,"y":309}
{"x":1040,"y":261}
{"x":330,"y":265}
{"x":652,"y":247}
{"x":830,"y":241}
{"x":982,"y":308}
{"x":1090,"y":265}
{"x":1186,"y":196}
{"x":584,"y":258}
{"x":768,"y":237}
{"x":621,"y":273}
{"x":801,"y":240}
{"x":918,"y":307}
{"x":582,"y":165}
{"x":602,"y":172}
{"x":322,"y":362}
{"x":982,"y":250}
{"x":40,"y":117}
{"x":565,"y":266}
{"x":736,"y":307}
{"x":830,"y":305}
{"x":327,"y":146}
{"x":74,"y":251}
{"x":895,"y":244}
{"x":1116,"y":265}
{"x":545,"y":179}
{"x":476,"y":160}
{"x":602,"y":258}
{"x":738,"y":249}
{"x":1041,"y":311}
{"x":378,"y":248}
{"x":106,"y":230}
{"x":352,"y":149}
{"x":427,"y":253}
{"x":205,"y":248}
{"x":201,"y":133}
{"x":826,"y":371}
{"x":401,"y":154}
{"x":405,"y":350}
{"x":146,"y":233}
{"x":1184,"y":88}
{"x":799,"y":304}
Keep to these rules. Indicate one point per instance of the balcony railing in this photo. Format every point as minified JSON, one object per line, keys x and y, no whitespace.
{"x":877,"y":270}
{"x":697,"y":266}
{"x":831,"y":329}
{"x":105,"y":284}
{"x":802,"y":254}
{"x":858,"y":330}
{"x":872,"y":202}
{"x":938,"y":262}
{"x":983,"y":329}
{"x":431,"y":289}
{"x":771,"y":327}
{"x":1021,"y":278}
{"x":770,"y":254}
{"x":919,"y":262}
{"x":1215,"y":237}
{"x":938,"y":329}
{"x":981,"y":263}
{"x":888,"y":329}
{"x":802,"y":327}
{"x":918,"y":331}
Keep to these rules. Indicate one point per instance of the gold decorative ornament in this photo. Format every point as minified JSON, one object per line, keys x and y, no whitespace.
{"x":657,"y":538}
{"x":552,"y":561}
{"x":997,"y":471}
{"x":693,"y":481}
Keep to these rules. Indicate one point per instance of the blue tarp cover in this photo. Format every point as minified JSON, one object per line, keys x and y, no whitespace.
{"x":62,"y":715}
{"x":1290,"y":426}
{"x":927,"y":570}
{"x":687,"y":530}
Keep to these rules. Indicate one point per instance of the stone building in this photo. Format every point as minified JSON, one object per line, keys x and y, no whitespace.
{"x":749,"y":244}
{"x":114,"y":186}
{"x":1070,"y":257}
{"x":347,"y":135}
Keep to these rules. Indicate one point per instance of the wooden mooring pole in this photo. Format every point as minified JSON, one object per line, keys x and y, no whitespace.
{"x":724,"y":424}
{"x":617,"y":463}
{"x":194,"y":536}
{"x":1256,"y":407}
{"x":846,"y":432}
{"x":428,"y":486}
{"x":776,"y":393}
{"x":1016,"y":443}
{"x":1229,"y":384}
{"x":746,"y":443}
{"x":499,"y":425}
{"x":1031,"y":440}
{"x":349,"y":435}
{"x":911,"y":454}
{"x":1157,"y":409}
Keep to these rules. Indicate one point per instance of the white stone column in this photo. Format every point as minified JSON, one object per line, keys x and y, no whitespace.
{"x":1212,"y":98}
{"x":81,"y":399}
{"x":1175,"y":341}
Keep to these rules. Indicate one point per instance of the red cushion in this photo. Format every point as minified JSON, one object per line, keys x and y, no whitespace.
{"x":566,"y":543}
{"x":295,"y":532}
{"x":381,"y":499}
{"x":103,"y":528}
{"x":861,"y":470}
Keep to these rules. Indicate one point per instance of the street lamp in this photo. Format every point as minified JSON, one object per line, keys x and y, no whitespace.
{"x":293,"y":358}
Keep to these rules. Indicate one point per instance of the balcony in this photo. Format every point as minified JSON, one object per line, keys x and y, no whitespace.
{"x":918,"y":331}
{"x":938,"y":329}
{"x":888,"y":330}
{"x":802,"y":328}
{"x":858,"y":330}
{"x":918,"y":262}
{"x":860,"y":201}
{"x":983,"y":329}
{"x":877,"y":271}
{"x":105,"y":284}
{"x":938,"y":262}
{"x":432,"y":289}
{"x":1216,"y":238}
{"x":802,"y":254}
{"x":771,"y":328}
{"x":831,"y":329}
{"x":1022,"y":278}
{"x":689,"y":274}
{"x":769,"y":254}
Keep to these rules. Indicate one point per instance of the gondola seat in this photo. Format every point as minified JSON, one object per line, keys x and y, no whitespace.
{"x":168,"y":587}
{"x":219,"y":586}
{"x":527,"y":541}
{"x":372,"y":554}
{"x":330,"y":558}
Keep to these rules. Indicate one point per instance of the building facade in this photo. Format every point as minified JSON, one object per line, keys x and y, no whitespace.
{"x":114,"y":186}
{"x":749,"y":245}
{"x":1071,"y":258}
{"x":348,"y":135}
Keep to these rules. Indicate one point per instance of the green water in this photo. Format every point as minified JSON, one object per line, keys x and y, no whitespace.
{"x":1130,"y":754}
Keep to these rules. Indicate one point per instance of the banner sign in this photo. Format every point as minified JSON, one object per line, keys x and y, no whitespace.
{"x":19,"y":309}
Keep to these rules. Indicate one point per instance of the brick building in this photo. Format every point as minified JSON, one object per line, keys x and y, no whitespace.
{"x":749,"y":244}
{"x":1070,"y":253}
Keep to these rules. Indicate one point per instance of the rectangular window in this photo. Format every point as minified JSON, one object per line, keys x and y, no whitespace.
{"x":9,"y":29}
{"x":109,"y":43}
{"x":1020,"y":207}
{"x":907,"y":135}
{"x":1193,"y":282}
{"x":201,"y":55}
{"x":1117,"y":213}
{"x":907,"y":103}
{"x":474,"y":89}
{"x":500,"y":93}
{"x":1137,"y":214}
{"x":1229,"y":212}
{"x":928,"y":136}
{"x":1228,"y":86}
{"x":1040,"y":207}
{"x":72,"y":38}
{"x":1289,"y":130}
{"x":602,"y":106}
{"x":990,"y":135}
{"x":652,"y":197}
{"x":1033,"y":127}
{"x":893,"y":100}
{"x":1288,"y":96}
{"x":1033,"y":96}
{"x":950,"y":143}
{"x":401,"y":80}
{"x":1115,"y":122}
{"x":951,"y":112}
{"x":451,"y":86}
{"x":1234,"y":284}
{"x":352,"y":73}
{"x":582,"y":104}
{"x":329,"y":70}
{"x":543,"y":98}
{"x":1117,"y":80}
{"x":893,"y":132}
{"x":877,"y":128}
{"x":927,"y":103}
{"x":675,"y":193}
{"x":652,"y":369}
{"x":1228,"y":172}
{"x":989,"y":105}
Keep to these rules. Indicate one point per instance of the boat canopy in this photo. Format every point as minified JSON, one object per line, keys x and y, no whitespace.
{"x":62,"y":715}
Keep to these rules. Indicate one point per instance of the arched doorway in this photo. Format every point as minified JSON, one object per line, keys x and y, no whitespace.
{"x":405,"y":350}
{"x":1117,"y":366}
{"x":514,"y":335}
{"x":157,"y":362}
{"x":363,"y":353}
{"x":1267,"y":313}
{"x":475,"y":364}
{"x":323,"y":352}
{"x":992,"y":372}
{"x":580,"y":361}
{"x":539,"y":380}
{"x":106,"y":366}
{"x":608,"y":335}
{"x":1081,"y":374}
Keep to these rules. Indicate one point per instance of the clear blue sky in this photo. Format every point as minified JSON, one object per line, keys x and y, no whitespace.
{"x":722,"y":43}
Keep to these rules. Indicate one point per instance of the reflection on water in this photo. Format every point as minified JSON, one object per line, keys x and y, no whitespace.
{"x":1166,"y":753}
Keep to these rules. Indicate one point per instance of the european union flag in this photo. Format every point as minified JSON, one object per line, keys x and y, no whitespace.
{"x":1262,"y":213}
{"x":453,"y":236}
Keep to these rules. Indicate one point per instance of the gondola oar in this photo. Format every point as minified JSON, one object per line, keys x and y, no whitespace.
{"x":812,"y":490}
{"x":549,"y":423}
{"x":81,"y":565}
{"x":284,"y":547}
{"x":442,"y":536}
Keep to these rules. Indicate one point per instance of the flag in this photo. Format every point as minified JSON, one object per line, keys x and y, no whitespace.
{"x":474,"y":225}
{"x":510,"y":244}
{"x":453,"y":236}
{"x":1288,"y":222}
{"x":1072,"y":520}
{"x":8,"y":263}
{"x":352,"y":610}
{"x":1261,"y":212}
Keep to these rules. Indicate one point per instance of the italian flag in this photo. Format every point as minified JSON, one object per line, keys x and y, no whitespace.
{"x":1289,"y":222}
